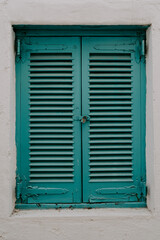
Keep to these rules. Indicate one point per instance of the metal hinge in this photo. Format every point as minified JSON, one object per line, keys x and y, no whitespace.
{"x":140,"y":51}
{"x":18,"y":50}
{"x":36,"y":191}
{"x":21,"y":188}
{"x":143,"y":50}
{"x":143,"y":189}
{"x":18,"y":187}
{"x":18,"y":47}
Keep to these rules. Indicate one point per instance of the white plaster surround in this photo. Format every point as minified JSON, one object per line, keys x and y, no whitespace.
{"x":102,"y":224}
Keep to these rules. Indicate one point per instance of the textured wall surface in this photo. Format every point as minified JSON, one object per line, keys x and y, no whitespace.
{"x":102,"y":224}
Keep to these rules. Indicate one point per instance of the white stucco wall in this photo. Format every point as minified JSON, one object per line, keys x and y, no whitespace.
{"x":102,"y":224}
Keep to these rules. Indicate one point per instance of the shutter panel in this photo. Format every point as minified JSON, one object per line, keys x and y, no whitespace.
{"x":50,"y":100}
{"x":111,"y":137}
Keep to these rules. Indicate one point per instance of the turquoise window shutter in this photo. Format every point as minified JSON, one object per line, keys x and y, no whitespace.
{"x":50,"y":135}
{"x":80,"y":121}
{"x":112,"y":167}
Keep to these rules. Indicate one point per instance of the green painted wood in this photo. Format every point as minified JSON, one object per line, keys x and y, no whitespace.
{"x":83,"y":205}
{"x":84,"y":30}
{"x":112,"y":160}
{"x":49,"y":133}
{"x":50,"y":152}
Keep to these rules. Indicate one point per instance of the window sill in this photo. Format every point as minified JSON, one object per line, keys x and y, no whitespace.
{"x":83,"y":213}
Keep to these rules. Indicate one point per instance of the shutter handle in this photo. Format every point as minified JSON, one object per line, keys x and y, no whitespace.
{"x":84,"y":119}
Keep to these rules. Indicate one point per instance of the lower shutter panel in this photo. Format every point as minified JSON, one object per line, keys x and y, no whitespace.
{"x":112,"y":162}
{"x":53,"y":153}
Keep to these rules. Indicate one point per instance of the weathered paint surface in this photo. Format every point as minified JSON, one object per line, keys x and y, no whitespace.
{"x":116,"y":224}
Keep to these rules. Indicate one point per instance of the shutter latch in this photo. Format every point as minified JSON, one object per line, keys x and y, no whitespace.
{"x":84,"y":119}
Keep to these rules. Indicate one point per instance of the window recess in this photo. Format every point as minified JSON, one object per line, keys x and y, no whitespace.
{"x":80,"y":114}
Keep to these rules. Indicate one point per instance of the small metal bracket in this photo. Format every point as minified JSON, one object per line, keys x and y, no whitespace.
{"x":143,"y":50}
{"x":143,"y":189}
{"x":36,"y":191}
{"x":18,"y":48}
{"x":21,"y":188}
{"x":18,"y":190}
{"x":140,"y":51}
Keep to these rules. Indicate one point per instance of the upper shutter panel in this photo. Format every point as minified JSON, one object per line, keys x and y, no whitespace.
{"x":112,"y":134}
{"x":50,"y":104}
